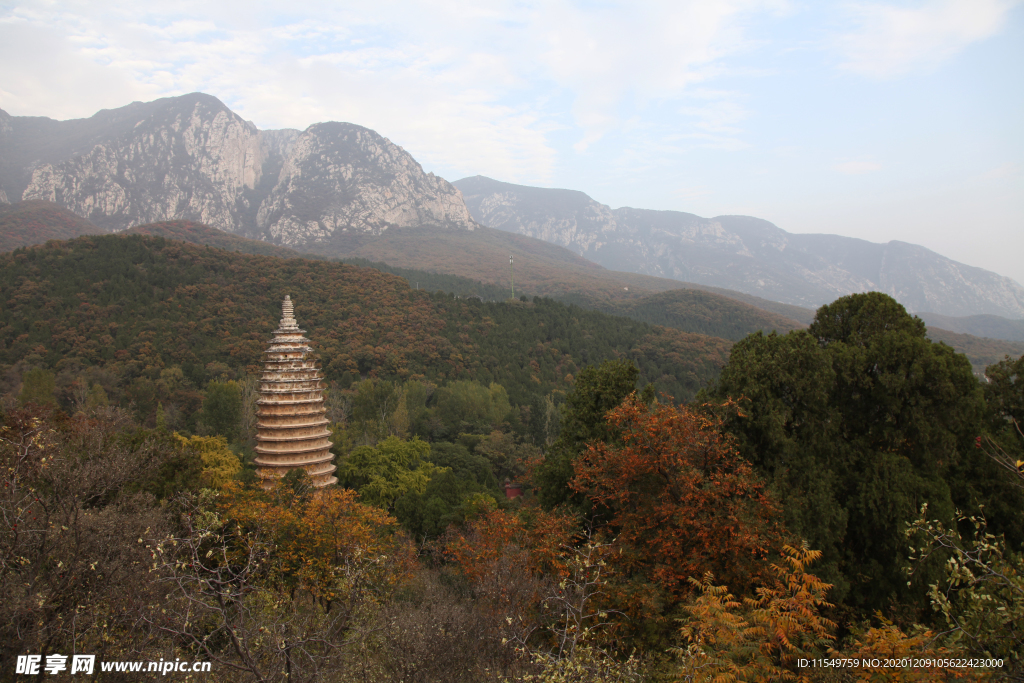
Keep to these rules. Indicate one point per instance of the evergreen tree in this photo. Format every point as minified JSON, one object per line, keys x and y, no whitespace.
{"x":38,"y":386}
{"x":1004,"y":446}
{"x":597,"y":389}
{"x":222,"y":409}
{"x":857,"y":422}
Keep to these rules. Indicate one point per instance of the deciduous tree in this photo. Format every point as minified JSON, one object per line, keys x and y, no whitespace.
{"x":679,"y":499}
{"x":761,"y":638}
{"x":384,"y":473}
{"x":38,"y":386}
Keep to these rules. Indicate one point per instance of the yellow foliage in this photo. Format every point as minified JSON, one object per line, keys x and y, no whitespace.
{"x":326,"y":541}
{"x":220,"y":465}
{"x":761,"y":639}
{"x":880,"y":648}
{"x":588,"y":664}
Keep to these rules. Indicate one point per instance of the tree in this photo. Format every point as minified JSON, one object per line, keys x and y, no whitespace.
{"x":510,"y":559}
{"x":469,"y":406}
{"x":38,"y":386}
{"x":508,"y":457}
{"x":72,"y":574}
{"x":384,"y":473}
{"x":97,"y":397}
{"x":678,"y":499}
{"x":222,"y":409}
{"x":576,"y":623}
{"x":220,"y":465}
{"x":857,"y":422}
{"x":1004,"y":447}
{"x":761,"y":638}
{"x":980,"y":599}
{"x":462,"y":487}
{"x":249,"y":393}
{"x":373,"y":408}
{"x":597,"y":389}
{"x":1004,"y":393}
{"x":270,"y":583}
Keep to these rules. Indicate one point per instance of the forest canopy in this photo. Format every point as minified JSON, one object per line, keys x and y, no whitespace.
{"x":694,"y":509}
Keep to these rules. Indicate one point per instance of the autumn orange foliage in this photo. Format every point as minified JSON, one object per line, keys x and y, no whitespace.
{"x":326,"y":541}
{"x":886,"y":653}
{"x":542,"y":536}
{"x":769,"y":638}
{"x":511,"y":559}
{"x":679,"y":499}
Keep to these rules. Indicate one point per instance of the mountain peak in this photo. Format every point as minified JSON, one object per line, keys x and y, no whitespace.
{"x":190,"y":157}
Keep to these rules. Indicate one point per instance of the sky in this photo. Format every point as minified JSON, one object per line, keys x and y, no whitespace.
{"x":881,"y":120}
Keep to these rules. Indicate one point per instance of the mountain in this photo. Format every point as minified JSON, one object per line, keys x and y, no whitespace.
{"x":992,"y":326}
{"x":703,"y":313}
{"x":742,"y":253}
{"x":341,"y":190}
{"x":197,"y":233}
{"x":542,"y":269}
{"x":192,"y":158}
{"x":26,"y":223}
{"x":469,"y":263}
{"x":980,"y":351}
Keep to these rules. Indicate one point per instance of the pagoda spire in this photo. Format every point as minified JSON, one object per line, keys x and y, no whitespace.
{"x":291,"y":419}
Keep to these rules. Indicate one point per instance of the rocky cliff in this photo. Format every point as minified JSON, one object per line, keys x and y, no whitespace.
{"x":337,"y":186}
{"x":192,"y":158}
{"x":339,"y":178}
{"x":742,"y":253}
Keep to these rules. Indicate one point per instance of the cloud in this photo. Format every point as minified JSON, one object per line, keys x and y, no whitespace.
{"x":893,"y":40}
{"x":857,"y":167}
{"x":715,"y":117}
{"x":42,"y":73}
{"x":454,"y":81}
{"x":690,"y":194}
{"x":448,"y":106}
{"x":636,"y":53}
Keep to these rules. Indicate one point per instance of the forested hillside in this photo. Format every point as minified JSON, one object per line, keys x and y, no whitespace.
{"x":981,"y":351}
{"x":848,"y":492}
{"x":698,"y":311}
{"x":197,"y":233}
{"x":34,"y":222}
{"x":129,"y":308}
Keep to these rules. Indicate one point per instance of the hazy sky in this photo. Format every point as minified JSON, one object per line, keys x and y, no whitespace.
{"x":881,"y":120}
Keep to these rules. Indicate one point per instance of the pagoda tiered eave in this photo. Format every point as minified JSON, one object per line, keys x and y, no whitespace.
{"x":291,"y":417}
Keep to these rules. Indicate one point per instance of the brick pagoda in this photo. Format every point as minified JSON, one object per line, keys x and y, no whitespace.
{"x":291,"y":418}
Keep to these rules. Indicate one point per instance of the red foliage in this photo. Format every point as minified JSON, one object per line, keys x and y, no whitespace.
{"x":541,"y":536}
{"x":680,"y":500}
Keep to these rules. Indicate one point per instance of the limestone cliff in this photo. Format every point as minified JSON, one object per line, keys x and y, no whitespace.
{"x":341,"y":178}
{"x":192,"y":158}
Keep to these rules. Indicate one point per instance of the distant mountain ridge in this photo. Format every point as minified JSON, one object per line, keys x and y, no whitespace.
{"x":991,"y":326}
{"x":741,"y":253}
{"x":549,"y":270}
{"x":339,"y":189}
{"x":197,"y":233}
{"x":192,"y":158}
